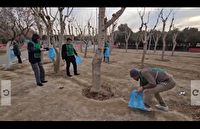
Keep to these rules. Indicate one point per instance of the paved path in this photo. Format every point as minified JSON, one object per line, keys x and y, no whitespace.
{"x":24,"y":56}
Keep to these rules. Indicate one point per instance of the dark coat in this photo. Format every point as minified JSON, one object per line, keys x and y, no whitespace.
{"x":64,"y":52}
{"x":16,"y":51}
{"x":31,"y":50}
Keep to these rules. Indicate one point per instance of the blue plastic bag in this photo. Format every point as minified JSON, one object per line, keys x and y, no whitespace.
{"x":136,"y":100}
{"x":78,"y":59}
{"x":51,"y":53}
{"x":107,"y":54}
{"x":12,"y":54}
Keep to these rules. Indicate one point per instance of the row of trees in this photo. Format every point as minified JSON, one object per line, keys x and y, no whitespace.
{"x":188,"y":37}
{"x":18,"y":22}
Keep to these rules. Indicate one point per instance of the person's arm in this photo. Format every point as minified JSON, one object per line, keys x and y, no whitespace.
{"x":63,"y":53}
{"x":30,"y":48}
{"x":15,"y":48}
{"x":75,"y":52}
{"x":150,"y":79}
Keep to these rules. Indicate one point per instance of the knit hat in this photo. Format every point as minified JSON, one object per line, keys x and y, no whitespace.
{"x":35,"y":37}
{"x":134,"y":72}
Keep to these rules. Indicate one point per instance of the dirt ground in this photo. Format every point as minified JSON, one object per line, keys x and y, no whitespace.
{"x":67,"y":99}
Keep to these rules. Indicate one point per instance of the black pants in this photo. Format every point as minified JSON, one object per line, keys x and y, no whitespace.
{"x":69,"y":60}
{"x":19,"y":59}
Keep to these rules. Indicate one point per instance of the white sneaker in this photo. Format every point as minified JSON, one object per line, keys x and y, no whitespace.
{"x":148,"y":109}
{"x":166,"y":109}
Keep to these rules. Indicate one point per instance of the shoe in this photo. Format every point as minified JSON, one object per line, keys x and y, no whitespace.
{"x":77,"y":74}
{"x":166,"y":109}
{"x":69,"y":75}
{"x":148,"y":109}
{"x":44,"y":81}
{"x":39,"y":84}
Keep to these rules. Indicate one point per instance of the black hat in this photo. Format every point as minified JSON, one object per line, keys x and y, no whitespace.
{"x":35,"y":37}
{"x":134,"y":72}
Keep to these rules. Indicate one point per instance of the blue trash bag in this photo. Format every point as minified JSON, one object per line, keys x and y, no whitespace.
{"x":12,"y":54}
{"x":107,"y":54}
{"x":78,"y":59}
{"x":51,"y":53}
{"x":136,"y":100}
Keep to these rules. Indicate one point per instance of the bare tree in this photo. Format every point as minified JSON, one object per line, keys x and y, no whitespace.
{"x":94,"y":38}
{"x":83,"y":36}
{"x":61,"y":34}
{"x":79,"y":33}
{"x":153,"y":30}
{"x":39,"y":26}
{"x":147,"y":34}
{"x":175,"y":34}
{"x":48,"y":18}
{"x":87,"y":38}
{"x":97,"y":59}
{"x":164,"y":34}
{"x":38,"y":22}
{"x":138,"y":39}
{"x":128,"y":33}
{"x":156,"y":35}
{"x":14,"y":23}
{"x":111,"y":36}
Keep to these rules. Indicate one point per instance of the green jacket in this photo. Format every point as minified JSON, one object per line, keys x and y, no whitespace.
{"x":106,"y":45}
{"x":150,"y":77}
{"x":37,"y":46}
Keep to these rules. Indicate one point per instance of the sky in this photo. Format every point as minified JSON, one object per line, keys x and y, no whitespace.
{"x":184,"y":16}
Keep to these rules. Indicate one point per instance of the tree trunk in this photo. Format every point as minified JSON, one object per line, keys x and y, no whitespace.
{"x":164,"y":45}
{"x":8,"y":55}
{"x":136,"y":46}
{"x":149,"y":48}
{"x":111,"y":45}
{"x":174,"y":42}
{"x":57,"y":64}
{"x":126,"y":45}
{"x":155,"y":46}
{"x":57,"y":60}
{"x":174,"y":46}
{"x":86,"y":47}
{"x":93,"y":41}
{"x":144,"y":53}
{"x":94,"y":48}
{"x":97,"y":59}
{"x":81,"y":47}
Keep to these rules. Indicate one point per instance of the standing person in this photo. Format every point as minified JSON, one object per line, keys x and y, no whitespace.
{"x":34,"y":54}
{"x":106,"y":46}
{"x":17,"y":52}
{"x":153,"y":81}
{"x":68,"y":54}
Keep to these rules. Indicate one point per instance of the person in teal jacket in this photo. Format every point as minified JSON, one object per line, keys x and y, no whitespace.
{"x":106,"y":47}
